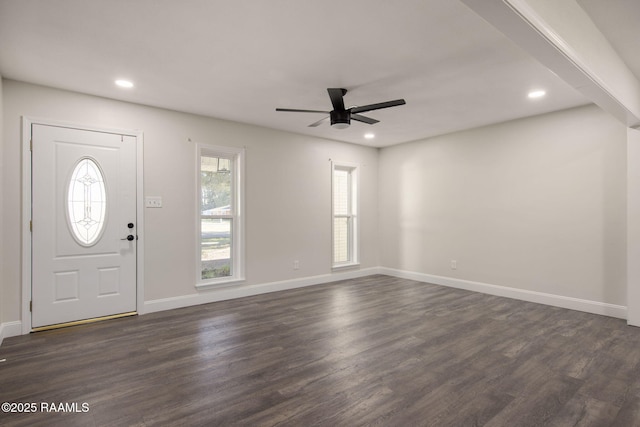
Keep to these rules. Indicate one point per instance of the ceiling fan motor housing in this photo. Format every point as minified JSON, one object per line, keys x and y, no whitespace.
{"x":340,"y":119}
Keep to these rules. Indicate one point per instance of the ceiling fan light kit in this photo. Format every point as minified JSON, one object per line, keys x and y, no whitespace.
{"x":340,"y":119}
{"x":340,"y":116}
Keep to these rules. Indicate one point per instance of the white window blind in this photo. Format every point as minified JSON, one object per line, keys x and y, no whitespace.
{"x":344,"y":189}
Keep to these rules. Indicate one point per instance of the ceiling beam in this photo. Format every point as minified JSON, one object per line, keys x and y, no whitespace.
{"x":561,"y":36}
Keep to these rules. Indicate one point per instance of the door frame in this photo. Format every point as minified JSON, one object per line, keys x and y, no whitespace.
{"x":27,"y":261}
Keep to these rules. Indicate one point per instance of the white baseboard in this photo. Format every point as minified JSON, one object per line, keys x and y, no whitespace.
{"x":10,"y":329}
{"x":222,"y":294}
{"x":588,"y":306}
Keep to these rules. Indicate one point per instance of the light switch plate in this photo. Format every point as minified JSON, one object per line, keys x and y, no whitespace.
{"x":153,"y":202}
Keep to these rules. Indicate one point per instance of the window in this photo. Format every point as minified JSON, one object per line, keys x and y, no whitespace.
{"x":345,"y":224}
{"x":86,"y":202}
{"x":220,"y":219}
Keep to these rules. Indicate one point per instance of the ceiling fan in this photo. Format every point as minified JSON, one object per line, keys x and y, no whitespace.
{"x":340,"y":116}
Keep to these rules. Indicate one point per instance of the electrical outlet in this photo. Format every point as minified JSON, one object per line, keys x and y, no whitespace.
{"x":296,"y":265}
{"x":454,"y":264}
{"x":153,"y":202}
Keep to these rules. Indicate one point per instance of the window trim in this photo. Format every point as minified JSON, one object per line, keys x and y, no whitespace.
{"x":237,"y":156}
{"x":353,"y":214}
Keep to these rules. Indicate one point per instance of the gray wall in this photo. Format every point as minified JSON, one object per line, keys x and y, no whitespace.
{"x":2,"y":171}
{"x":288,"y":187}
{"x":537,"y":204}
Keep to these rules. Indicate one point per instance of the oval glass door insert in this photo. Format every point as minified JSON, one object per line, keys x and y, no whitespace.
{"x":86,"y":202}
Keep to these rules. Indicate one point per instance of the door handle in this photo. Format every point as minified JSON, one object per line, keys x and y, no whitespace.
{"x":129,"y":237}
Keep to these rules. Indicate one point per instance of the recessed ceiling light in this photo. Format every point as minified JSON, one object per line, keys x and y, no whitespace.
{"x":369,"y":136}
{"x":124,"y":83}
{"x":536,"y":94}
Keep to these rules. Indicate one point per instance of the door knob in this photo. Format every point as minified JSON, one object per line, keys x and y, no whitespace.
{"x":130,"y":225}
{"x":129,"y":237}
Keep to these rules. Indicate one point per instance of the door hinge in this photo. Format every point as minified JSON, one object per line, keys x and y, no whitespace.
{"x":31,"y":145}
{"x":30,"y":225}
{"x":31,"y":306}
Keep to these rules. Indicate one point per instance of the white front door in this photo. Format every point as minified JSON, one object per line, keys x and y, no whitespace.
{"x":83,"y":224}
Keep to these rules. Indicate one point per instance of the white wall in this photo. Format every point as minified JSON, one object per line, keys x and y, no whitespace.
{"x":287,"y":191}
{"x":1,"y":218}
{"x":633,"y":227}
{"x":537,"y":204}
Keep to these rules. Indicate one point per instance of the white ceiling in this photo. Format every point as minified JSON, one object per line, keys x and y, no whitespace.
{"x":239,"y":60}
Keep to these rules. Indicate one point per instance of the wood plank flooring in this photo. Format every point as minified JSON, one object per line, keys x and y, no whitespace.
{"x":372,"y":351}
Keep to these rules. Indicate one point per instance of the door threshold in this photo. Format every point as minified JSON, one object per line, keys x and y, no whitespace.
{"x":83,"y":322}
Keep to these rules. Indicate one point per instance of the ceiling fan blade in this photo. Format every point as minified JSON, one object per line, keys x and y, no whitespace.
{"x":336,"y":95}
{"x":364,"y":119}
{"x":319,"y":122}
{"x":378,"y":106}
{"x":293,"y":110}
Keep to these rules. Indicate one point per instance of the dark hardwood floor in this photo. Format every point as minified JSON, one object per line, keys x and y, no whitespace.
{"x":372,"y":351}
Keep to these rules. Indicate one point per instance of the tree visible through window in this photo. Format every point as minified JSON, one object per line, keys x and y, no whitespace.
{"x":219,"y":215}
{"x":216,"y":219}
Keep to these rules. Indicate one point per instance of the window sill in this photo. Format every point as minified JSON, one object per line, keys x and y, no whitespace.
{"x":349,"y":266}
{"x":219,"y":283}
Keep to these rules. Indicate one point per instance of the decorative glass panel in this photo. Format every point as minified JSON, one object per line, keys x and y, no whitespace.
{"x":86,"y":202}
